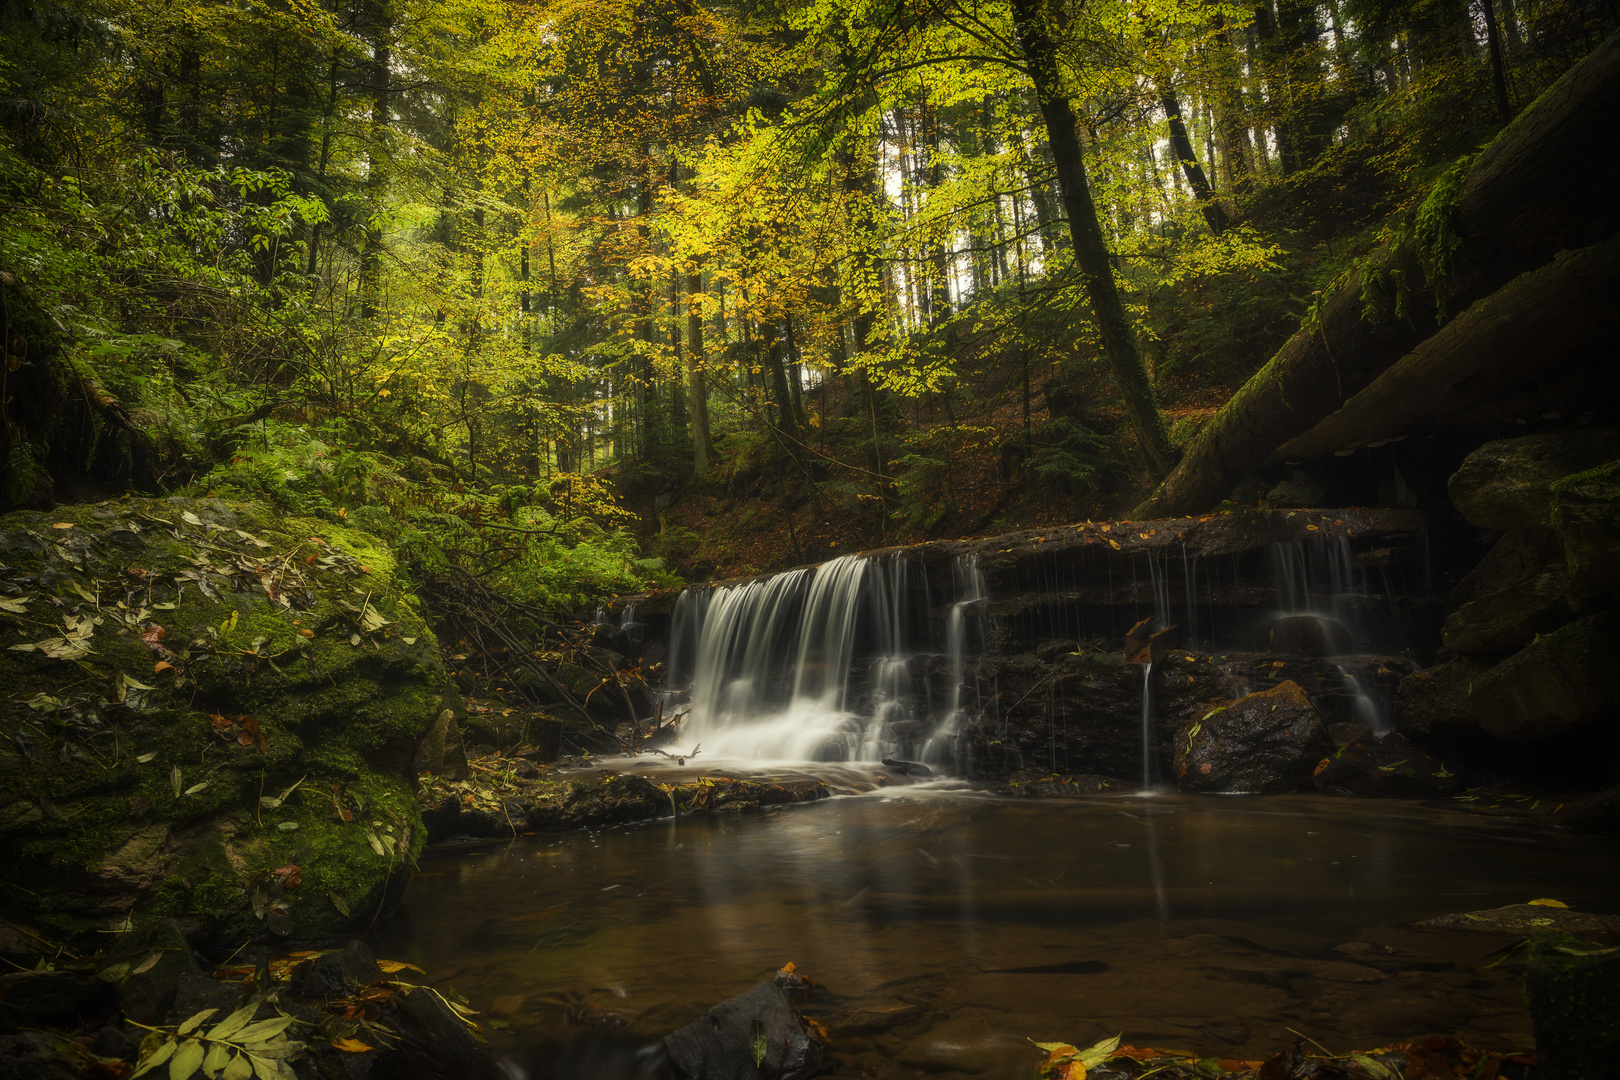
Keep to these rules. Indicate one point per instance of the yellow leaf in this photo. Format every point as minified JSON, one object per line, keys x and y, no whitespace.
{"x":62,"y":525}
{"x":388,"y":967}
{"x":353,"y":1046}
{"x":1548,"y":903}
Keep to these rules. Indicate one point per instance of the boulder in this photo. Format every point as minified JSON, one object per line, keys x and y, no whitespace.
{"x":52,"y":998}
{"x":201,"y":698}
{"x":1573,"y":989}
{"x":433,"y":1042}
{"x":1507,"y":484}
{"x":147,"y":965}
{"x":337,"y":974}
{"x":1586,"y":513}
{"x":755,"y":1035}
{"x":1436,"y":698}
{"x":1265,"y":742}
{"x":34,"y":1055}
{"x":1387,"y":765}
{"x":441,"y":751}
{"x":1557,"y":682}
{"x":1517,"y":556}
{"x":1510,"y":617}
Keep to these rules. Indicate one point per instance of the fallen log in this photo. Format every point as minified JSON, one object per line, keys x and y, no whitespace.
{"x":1546,"y":183}
{"x":1546,"y":340}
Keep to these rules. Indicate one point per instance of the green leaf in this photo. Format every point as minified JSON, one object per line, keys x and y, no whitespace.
{"x":267,"y":1069}
{"x":234,"y":1022}
{"x":218,"y":1057}
{"x":193,"y":1022}
{"x":240,"y":1068}
{"x":187,"y":1060}
{"x":159,"y":1056}
{"x":263,"y":1031}
{"x":1093,"y":1056}
{"x":1373,"y":1068}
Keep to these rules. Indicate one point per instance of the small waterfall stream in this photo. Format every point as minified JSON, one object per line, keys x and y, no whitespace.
{"x":864,"y":657}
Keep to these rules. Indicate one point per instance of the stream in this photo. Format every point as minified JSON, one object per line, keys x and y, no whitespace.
{"x":945,"y":926}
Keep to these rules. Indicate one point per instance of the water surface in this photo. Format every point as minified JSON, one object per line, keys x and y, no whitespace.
{"x":946,"y":927}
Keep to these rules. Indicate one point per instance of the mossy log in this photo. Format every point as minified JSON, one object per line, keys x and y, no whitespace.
{"x":1544,"y":185}
{"x":1545,"y":340}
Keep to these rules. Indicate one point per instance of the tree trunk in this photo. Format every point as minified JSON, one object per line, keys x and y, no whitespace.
{"x":376,"y":172}
{"x":697,"y":379}
{"x":1499,"y":90}
{"x":1544,"y":184}
{"x":1542,"y":341}
{"x":1213,"y":213}
{"x":1090,"y":251}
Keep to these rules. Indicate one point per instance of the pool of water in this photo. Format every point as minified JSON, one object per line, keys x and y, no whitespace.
{"x":947,"y":927}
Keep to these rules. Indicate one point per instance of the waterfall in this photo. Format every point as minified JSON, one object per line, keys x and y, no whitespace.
{"x":1147,"y":727}
{"x":970,"y":590}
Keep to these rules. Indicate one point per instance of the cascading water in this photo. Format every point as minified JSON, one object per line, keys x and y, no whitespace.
{"x":1147,"y":727}
{"x":1319,"y":581}
{"x":959,"y":627}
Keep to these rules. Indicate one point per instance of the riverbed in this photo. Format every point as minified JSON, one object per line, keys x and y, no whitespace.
{"x":945,"y":927}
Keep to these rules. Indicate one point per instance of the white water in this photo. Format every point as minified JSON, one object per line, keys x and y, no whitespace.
{"x":772,"y":669}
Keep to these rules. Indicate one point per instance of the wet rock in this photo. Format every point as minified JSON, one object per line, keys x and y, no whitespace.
{"x":1598,"y":812}
{"x":1060,"y":787}
{"x":612,"y":802}
{"x":1345,"y":732}
{"x":1558,"y":682}
{"x":337,"y":974}
{"x":146,"y":964}
{"x":1573,"y":990}
{"x":1520,"y":919}
{"x":1436,"y":698}
{"x":51,"y":998}
{"x":194,"y":993}
{"x":1517,"y":556}
{"x":1307,"y":635}
{"x":434,"y":1043}
{"x":1265,"y":742}
{"x":1586,"y":513}
{"x":760,"y":1026}
{"x":34,"y":1055}
{"x":1388,"y":766}
{"x":1507,"y":484}
{"x":441,"y":751}
{"x":1509,"y":617}
{"x":907,"y":768}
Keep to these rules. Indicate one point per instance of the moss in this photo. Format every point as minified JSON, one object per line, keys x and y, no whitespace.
{"x":329,"y":711}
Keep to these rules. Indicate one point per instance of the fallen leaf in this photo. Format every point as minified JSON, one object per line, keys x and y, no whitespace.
{"x":62,"y":525}
{"x":1549,"y":903}
{"x":162,"y":666}
{"x":389,"y":967}
{"x":353,"y":1046}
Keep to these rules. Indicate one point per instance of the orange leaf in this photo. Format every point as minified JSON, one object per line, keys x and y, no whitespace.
{"x":389,"y":967}
{"x":162,"y":666}
{"x":353,"y":1046}
{"x":307,"y":633}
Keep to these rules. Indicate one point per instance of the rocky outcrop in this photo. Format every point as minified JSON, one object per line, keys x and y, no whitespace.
{"x":1436,"y":698}
{"x":1264,"y":742}
{"x":1385,"y":765}
{"x":1586,"y":513}
{"x":1556,"y":683}
{"x":1507,"y":484}
{"x":1509,"y":617}
{"x":211,"y":713}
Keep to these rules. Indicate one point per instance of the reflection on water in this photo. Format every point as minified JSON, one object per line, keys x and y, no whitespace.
{"x":946,"y":927}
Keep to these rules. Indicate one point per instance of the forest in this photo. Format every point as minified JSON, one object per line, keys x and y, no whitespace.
{"x":433,"y":426}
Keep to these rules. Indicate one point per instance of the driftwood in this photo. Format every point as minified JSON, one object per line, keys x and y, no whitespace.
{"x":1545,"y":340}
{"x":1543,"y":185}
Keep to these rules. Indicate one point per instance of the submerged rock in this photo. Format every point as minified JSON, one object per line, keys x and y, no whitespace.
{"x":1387,"y":765}
{"x":1060,"y":787}
{"x":1556,"y":683}
{"x":1264,"y":742}
{"x":208,"y":706}
{"x":755,"y":1035}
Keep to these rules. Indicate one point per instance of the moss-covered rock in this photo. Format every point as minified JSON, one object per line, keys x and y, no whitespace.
{"x":1586,"y":513}
{"x":201,"y":695}
{"x":1573,"y":989}
{"x":1507,"y":484}
{"x":1556,"y":683}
